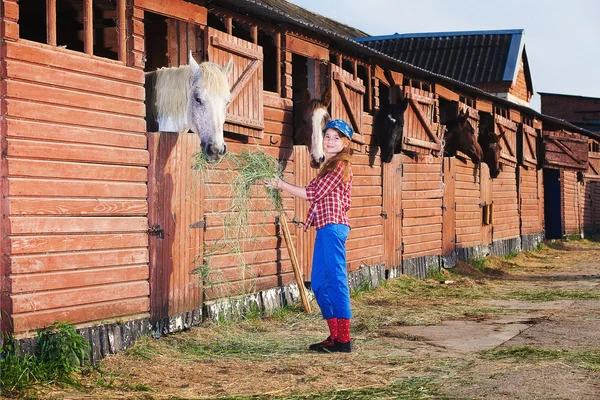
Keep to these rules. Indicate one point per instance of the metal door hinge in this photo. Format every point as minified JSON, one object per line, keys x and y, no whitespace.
{"x":156,"y":230}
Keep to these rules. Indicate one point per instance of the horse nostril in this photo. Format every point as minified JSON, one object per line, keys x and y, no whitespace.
{"x":222,"y":152}
{"x":322,"y":159}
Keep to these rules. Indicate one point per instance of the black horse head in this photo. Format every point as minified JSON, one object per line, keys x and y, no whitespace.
{"x":389,"y":127}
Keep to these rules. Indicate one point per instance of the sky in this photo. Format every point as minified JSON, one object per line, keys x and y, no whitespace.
{"x":562,"y":37}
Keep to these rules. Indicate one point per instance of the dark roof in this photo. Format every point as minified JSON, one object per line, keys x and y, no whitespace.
{"x":472,"y":57}
{"x":282,"y":11}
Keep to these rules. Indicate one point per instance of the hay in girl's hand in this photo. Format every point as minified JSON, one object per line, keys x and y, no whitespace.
{"x":254,"y":167}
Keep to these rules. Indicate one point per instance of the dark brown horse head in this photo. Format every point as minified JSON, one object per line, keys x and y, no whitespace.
{"x":460,"y":136}
{"x":389,"y":127}
{"x":313,"y":116}
{"x":490,"y":144}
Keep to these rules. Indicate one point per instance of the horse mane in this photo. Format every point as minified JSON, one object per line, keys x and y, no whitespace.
{"x":170,"y":90}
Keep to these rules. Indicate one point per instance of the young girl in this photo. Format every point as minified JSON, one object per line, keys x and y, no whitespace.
{"x":329,"y":195}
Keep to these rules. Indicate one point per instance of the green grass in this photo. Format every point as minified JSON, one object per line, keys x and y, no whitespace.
{"x":60,"y":353}
{"x":511,"y":255}
{"x":588,"y":360}
{"x":553,"y":295}
{"x":407,"y":388}
{"x":478,"y":263}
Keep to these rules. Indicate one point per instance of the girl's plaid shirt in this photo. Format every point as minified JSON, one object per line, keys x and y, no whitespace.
{"x":330,"y":200}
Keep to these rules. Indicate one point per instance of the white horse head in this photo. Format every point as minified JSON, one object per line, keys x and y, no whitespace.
{"x":191,"y":97}
{"x":312,"y":119}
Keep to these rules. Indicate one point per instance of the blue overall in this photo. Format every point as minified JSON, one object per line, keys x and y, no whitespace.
{"x":329,"y":279}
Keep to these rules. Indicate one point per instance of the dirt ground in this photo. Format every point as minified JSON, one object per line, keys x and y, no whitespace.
{"x":525,"y":327}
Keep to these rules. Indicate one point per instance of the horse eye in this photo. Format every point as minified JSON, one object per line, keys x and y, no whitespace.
{"x":198,"y":100}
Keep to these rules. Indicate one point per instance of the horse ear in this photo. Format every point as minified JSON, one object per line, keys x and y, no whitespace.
{"x":307,"y":96}
{"x":404,"y":103}
{"x":192,"y":63}
{"x":326,"y":98}
{"x":228,"y":68}
{"x":467,"y":114}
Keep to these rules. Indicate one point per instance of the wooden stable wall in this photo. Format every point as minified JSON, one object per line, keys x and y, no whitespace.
{"x":74,"y":169}
{"x":504,"y":187}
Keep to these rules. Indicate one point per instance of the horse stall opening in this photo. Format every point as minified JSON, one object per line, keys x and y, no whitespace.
{"x":74,"y":163}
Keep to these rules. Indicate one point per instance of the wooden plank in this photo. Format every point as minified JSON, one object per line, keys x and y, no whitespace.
{"x":66,"y":115}
{"x":25,"y":264}
{"x":37,"y":302}
{"x":72,"y":207}
{"x":73,"y":188}
{"x":305,"y":48}
{"x":174,"y":9}
{"x":62,"y":243}
{"x":76,"y":152}
{"x":73,"y":61}
{"x":70,"y":170}
{"x":44,"y":224}
{"x":446,"y":93}
{"x":421,"y":143}
{"x":76,"y":80}
{"x":30,"y":321}
{"x":64,"y":133}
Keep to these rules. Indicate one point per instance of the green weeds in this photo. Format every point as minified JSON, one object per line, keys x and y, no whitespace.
{"x":60,"y":353}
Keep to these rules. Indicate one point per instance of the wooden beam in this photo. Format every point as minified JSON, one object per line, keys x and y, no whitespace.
{"x":88,"y":27}
{"x":229,"y":25}
{"x":305,"y":48}
{"x":51,"y":22}
{"x":421,"y":143}
{"x":122,"y":24}
{"x":446,"y":93}
{"x":279,"y":64}
{"x":254,"y":34}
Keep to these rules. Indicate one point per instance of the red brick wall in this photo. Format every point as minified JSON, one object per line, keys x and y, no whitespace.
{"x":519,"y":87}
{"x":571,"y":108}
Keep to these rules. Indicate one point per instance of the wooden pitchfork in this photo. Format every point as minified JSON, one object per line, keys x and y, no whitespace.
{"x":294,"y":258}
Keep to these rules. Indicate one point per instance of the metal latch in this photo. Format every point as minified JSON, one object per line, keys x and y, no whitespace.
{"x":199,"y":224}
{"x":156,"y":230}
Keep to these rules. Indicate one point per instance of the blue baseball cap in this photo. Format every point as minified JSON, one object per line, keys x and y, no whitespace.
{"x":341,"y":126}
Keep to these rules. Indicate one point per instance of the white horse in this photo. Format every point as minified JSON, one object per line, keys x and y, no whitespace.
{"x":191,"y":97}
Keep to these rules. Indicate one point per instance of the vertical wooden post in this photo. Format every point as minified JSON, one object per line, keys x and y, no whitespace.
{"x":122,"y":30}
{"x":51,"y":22}
{"x":88,"y":27}
{"x":279,"y":64}
{"x":254,"y":34}
{"x":229,"y":25}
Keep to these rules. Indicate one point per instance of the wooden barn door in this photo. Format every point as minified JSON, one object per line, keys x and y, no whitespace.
{"x":245,"y":111}
{"x":347,"y":94}
{"x":469,"y":221}
{"x":392,"y":212}
{"x":422,"y":181}
{"x":176,"y":212}
{"x":486,"y":204}
{"x":449,"y":206}
{"x":505,"y":194}
{"x":528,"y":180}
{"x":305,"y":241}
